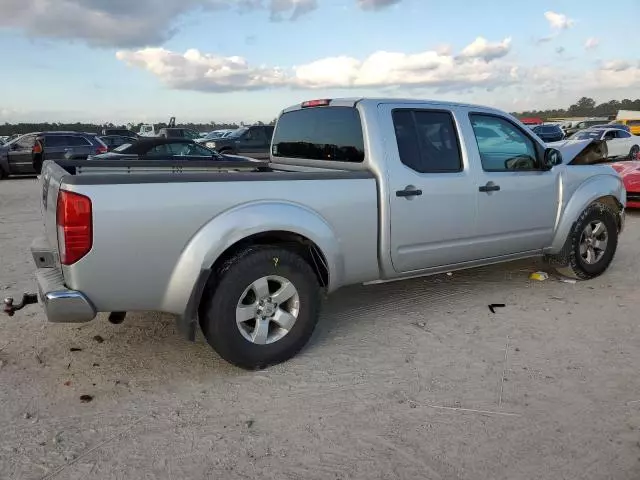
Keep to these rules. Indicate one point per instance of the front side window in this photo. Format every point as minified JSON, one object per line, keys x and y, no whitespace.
{"x":427,"y":140}
{"x":507,"y":148}
{"x":159,"y":151}
{"x":320,"y":133}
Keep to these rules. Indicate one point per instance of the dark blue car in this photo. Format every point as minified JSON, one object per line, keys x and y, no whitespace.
{"x":549,"y":133}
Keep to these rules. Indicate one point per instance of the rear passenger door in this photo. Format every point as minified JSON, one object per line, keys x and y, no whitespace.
{"x":517,"y":198}
{"x":20,"y":154}
{"x":431,"y":190}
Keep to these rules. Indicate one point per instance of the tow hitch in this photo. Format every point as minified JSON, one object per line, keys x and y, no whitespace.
{"x":27,"y":299}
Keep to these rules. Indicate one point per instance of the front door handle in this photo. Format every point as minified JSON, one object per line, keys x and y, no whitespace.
{"x":409,"y":191}
{"x":489,"y":187}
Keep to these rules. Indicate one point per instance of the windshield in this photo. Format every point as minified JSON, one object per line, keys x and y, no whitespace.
{"x":588,"y":135}
{"x":238,"y":132}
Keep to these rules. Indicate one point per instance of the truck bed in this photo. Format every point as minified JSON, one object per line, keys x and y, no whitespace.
{"x":144,"y":223}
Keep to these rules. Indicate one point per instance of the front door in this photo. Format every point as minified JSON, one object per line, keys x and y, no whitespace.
{"x":253,"y":143}
{"x":432,"y":202}
{"x":517,"y":198}
{"x":21,"y":153}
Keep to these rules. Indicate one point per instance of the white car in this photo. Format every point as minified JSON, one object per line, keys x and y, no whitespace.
{"x":620,"y":143}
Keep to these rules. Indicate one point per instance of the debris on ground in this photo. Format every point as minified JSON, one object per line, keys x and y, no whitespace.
{"x":539,"y":276}
{"x":493,"y":306}
{"x":567,"y":280}
{"x":98,"y":339}
{"x":67,"y":383}
{"x":75,"y":349}
{"x":27,"y":415}
{"x":86,"y":398}
{"x":250,"y":423}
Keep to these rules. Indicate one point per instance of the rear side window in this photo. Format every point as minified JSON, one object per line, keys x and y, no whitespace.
{"x":76,"y":141}
{"x":633,"y":122}
{"x":427,"y":141}
{"x":54,"y":141}
{"x":320,"y":133}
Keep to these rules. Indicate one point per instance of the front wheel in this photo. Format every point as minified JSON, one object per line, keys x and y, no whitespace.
{"x":592,"y":243}
{"x":261,"y":307}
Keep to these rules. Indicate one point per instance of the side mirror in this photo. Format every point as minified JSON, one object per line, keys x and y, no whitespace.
{"x":552,"y":157}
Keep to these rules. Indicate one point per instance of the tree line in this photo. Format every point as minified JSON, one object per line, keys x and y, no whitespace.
{"x":21,"y":128}
{"x":585,"y":107}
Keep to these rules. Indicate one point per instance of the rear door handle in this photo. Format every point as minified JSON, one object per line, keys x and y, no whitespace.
{"x":409,"y":191}
{"x":489,"y":187}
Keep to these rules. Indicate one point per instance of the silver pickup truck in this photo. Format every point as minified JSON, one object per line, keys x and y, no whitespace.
{"x":357,"y":191}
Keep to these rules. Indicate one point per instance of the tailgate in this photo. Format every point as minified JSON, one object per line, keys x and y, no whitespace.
{"x":50,"y":180}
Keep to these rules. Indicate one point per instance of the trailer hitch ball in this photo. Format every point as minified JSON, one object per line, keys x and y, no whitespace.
{"x":27,"y":299}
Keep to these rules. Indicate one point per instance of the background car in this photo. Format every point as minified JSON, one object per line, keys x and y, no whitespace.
{"x":114,"y":141}
{"x":166,"y":149}
{"x":178,"y":133}
{"x":631,"y":125}
{"x":619,"y":142}
{"x":619,"y":126}
{"x":582,"y":125}
{"x":253,"y":141}
{"x":65,"y":145}
{"x":548,"y":133}
{"x":630,"y":173}
{"x":214,"y":135}
{"x":123,"y":132}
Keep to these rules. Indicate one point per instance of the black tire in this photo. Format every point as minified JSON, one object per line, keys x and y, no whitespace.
{"x":633,"y":153}
{"x":570,"y":261}
{"x":225,"y":290}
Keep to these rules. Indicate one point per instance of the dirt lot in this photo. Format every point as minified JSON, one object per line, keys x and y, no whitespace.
{"x":414,"y":379}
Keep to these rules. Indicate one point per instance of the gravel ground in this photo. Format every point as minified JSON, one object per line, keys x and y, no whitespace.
{"x":414,"y":379}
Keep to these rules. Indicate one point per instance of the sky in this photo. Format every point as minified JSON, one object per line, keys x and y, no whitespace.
{"x":135,"y":61}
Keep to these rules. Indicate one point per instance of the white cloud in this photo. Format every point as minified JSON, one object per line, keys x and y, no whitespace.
{"x":616,"y":74}
{"x":376,"y":4}
{"x":136,"y":23}
{"x":559,"y":21}
{"x":481,"y":48}
{"x":475,"y":67}
{"x":591,"y":43}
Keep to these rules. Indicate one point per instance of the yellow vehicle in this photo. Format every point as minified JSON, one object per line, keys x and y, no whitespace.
{"x":634,"y":125}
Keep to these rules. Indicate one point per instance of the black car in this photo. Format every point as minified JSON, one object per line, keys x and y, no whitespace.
{"x":114,"y":141}
{"x":549,"y":133}
{"x":155,"y":148}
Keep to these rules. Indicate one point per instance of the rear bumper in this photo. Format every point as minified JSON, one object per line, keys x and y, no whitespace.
{"x":61,"y":304}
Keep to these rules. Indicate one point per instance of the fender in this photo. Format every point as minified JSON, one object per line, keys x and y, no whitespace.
{"x":225,"y":230}
{"x":605,"y":185}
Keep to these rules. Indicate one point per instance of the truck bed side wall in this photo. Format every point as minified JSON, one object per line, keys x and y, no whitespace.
{"x":142,"y":231}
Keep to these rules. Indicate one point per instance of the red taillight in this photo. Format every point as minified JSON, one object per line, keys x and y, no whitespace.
{"x":101,"y":149}
{"x":73,"y":218}
{"x":316,"y":103}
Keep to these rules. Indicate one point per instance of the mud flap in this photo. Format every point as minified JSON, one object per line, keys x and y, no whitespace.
{"x":187,"y":323}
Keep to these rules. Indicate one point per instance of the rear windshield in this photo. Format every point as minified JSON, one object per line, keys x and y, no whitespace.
{"x":548,"y":129}
{"x":320,"y":133}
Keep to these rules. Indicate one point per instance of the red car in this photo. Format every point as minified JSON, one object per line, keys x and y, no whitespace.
{"x":630,"y":173}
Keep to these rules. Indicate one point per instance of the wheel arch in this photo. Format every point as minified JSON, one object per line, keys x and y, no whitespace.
{"x":606,"y":189}
{"x":291,"y":226}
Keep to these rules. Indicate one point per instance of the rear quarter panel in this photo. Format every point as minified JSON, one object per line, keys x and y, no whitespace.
{"x":150,"y":241}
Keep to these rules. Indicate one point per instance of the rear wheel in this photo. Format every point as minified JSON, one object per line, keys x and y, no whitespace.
{"x":261,"y":307}
{"x":633,"y":153}
{"x":591,"y":245}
